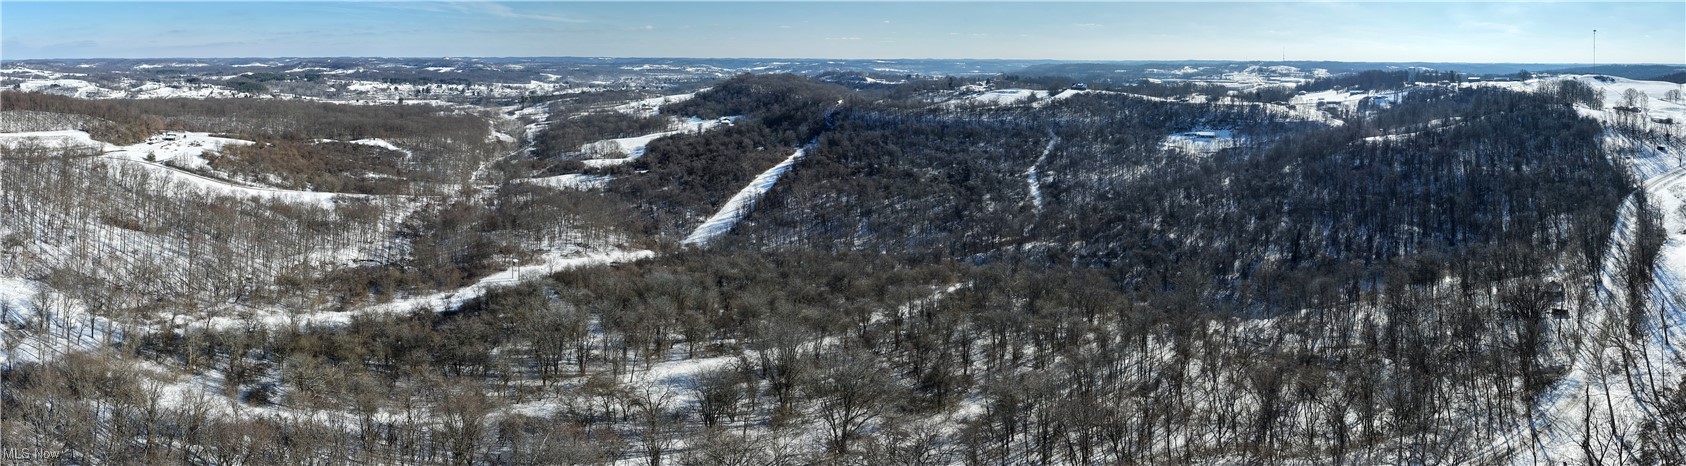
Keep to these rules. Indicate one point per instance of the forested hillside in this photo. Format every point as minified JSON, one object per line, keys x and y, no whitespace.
{"x":1002,"y":270}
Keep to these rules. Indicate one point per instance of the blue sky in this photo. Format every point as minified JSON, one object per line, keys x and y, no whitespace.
{"x":1512,"y":32}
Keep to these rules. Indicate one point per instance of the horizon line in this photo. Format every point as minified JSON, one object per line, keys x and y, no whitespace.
{"x":1057,"y":60}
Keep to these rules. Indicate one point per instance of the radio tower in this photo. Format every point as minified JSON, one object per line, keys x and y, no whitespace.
{"x":1594,"y":47}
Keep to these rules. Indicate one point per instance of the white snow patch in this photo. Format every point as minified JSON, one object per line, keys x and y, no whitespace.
{"x":445,"y":300}
{"x":51,"y":140}
{"x":571,"y":181}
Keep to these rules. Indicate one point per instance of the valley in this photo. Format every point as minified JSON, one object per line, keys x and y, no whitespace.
{"x":747,"y":261}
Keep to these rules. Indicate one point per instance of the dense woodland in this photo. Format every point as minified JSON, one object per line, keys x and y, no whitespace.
{"x":446,"y":145}
{"x":1381,"y":290}
{"x":561,"y":139}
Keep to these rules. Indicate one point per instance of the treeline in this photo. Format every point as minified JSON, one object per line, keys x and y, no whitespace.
{"x":954,"y":184}
{"x":1168,"y":89}
{"x":256,"y":117}
{"x":452,"y":243}
{"x":1521,"y":179}
{"x":683,"y":178}
{"x":266,"y":76}
{"x":1678,"y":77}
{"x":565,"y":136}
{"x":790,"y":106}
{"x":448,"y":145}
{"x":118,"y":124}
{"x":328,"y":166}
{"x":949,"y":186}
{"x":394,"y":377}
{"x":804,"y":357}
{"x":1378,"y":80}
{"x":138,"y":248}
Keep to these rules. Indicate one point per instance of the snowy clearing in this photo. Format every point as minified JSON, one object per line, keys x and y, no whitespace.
{"x":549,"y":263}
{"x":652,"y":106}
{"x":1650,"y":107}
{"x":740,"y":204}
{"x":55,"y":140}
{"x":998,"y":97}
{"x":611,"y":152}
{"x":1032,"y":177}
{"x":1201,"y":141}
{"x":571,"y":181}
{"x":182,"y":151}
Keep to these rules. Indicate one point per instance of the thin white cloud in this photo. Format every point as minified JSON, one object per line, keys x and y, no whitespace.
{"x":504,"y":11}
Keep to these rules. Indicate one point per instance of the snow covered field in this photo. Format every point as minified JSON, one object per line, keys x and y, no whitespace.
{"x":55,"y":140}
{"x":1652,"y":106}
{"x":570,"y":181}
{"x":611,"y":152}
{"x":1346,"y":100}
{"x":997,"y":97}
{"x":1201,"y":141}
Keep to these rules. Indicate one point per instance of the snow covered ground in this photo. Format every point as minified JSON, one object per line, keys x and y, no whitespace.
{"x":1033,"y":178}
{"x":334,"y":87}
{"x":179,"y":148}
{"x":548,"y":263}
{"x":613,"y":152}
{"x":652,"y":106}
{"x":62,"y":139}
{"x":740,"y":204}
{"x":169,"y":156}
{"x":154,"y":90}
{"x":1257,"y":76}
{"x":381,"y":143}
{"x":1346,"y":100}
{"x":59,"y":324}
{"x":571,"y":181}
{"x":1653,"y":105}
{"x":1598,"y":408}
{"x":1201,"y":141}
{"x":998,"y":97}
{"x":71,"y":87}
